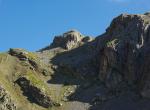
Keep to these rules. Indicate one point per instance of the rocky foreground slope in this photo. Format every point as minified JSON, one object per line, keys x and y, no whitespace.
{"x":77,"y":72}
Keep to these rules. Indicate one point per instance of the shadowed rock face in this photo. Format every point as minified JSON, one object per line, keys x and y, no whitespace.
{"x":126,"y":51}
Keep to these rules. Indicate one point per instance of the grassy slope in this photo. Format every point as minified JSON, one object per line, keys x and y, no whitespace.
{"x":10,"y":69}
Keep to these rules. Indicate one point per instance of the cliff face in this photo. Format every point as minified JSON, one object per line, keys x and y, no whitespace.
{"x":126,"y":51}
{"x":80,"y":72}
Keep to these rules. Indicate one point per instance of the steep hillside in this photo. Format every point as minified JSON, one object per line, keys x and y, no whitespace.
{"x":77,"y":72}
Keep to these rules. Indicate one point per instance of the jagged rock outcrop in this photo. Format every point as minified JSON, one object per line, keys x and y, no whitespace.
{"x":31,"y":59}
{"x":24,"y":55}
{"x":69,"y":40}
{"x":126,"y":45}
{"x":34,"y":93}
{"x":5,"y":101}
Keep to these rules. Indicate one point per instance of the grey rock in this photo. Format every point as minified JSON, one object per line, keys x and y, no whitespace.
{"x":34,"y":93}
{"x":124,"y":50}
{"x":5,"y":101}
{"x":68,"y":40}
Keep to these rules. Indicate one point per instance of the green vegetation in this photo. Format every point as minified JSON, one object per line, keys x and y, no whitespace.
{"x":10,"y":70}
{"x":32,"y":56}
{"x":112,"y":42}
{"x":36,"y":81}
{"x":146,"y":22}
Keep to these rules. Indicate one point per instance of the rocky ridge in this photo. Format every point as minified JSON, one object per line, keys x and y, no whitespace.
{"x":80,"y":71}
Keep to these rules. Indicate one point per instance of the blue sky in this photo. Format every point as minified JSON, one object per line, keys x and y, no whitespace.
{"x":32,"y":24}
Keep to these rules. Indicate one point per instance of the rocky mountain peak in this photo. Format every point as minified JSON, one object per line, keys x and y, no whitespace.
{"x":76,"y":34}
{"x":133,"y":27}
{"x":69,"y":40}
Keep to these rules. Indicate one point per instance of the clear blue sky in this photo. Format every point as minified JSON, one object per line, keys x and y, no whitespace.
{"x":32,"y":24}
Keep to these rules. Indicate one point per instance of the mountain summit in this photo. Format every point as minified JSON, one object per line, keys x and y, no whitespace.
{"x":69,"y":40}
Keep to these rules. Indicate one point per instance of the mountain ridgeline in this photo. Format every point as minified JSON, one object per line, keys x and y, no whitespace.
{"x":77,"y":72}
